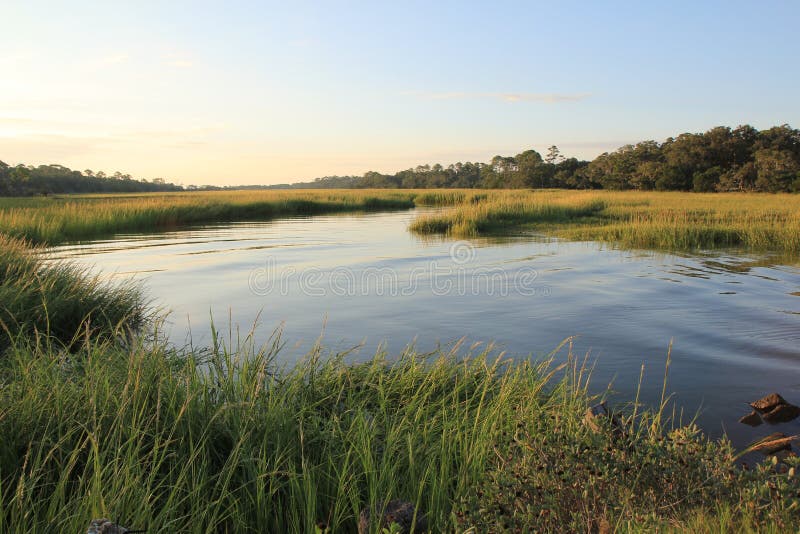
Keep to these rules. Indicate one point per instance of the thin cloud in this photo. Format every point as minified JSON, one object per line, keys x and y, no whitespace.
{"x":549,"y":98}
{"x":99,"y":63}
{"x":178,"y":61}
{"x":115,"y":60}
{"x":187,"y":135}
{"x":32,"y":128}
{"x":16,"y":121}
{"x":16,"y":57}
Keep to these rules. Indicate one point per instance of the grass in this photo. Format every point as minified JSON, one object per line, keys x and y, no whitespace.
{"x":67,"y":218}
{"x":667,"y":221}
{"x":60,"y":301}
{"x":101,"y":418}
{"x":226,"y":439}
{"x":657,"y":220}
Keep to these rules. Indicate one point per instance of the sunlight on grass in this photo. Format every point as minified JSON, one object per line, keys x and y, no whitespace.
{"x":80,"y":217}
{"x":671,"y":221}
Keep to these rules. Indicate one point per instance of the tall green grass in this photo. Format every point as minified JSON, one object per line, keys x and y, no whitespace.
{"x":230,"y":441}
{"x":227,"y":444}
{"x":60,"y":301}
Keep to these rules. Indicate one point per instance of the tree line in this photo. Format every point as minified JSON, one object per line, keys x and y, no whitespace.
{"x":721,"y":159}
{"x":27,"y":180}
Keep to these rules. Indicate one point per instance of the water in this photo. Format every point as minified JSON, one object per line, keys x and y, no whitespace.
{"x":733,"y":319}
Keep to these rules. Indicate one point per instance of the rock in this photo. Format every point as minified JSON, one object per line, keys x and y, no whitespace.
{"x":774,"y":443}
{"x":394,"y":511}
{"x":765,"y":404}
{"x":598,"y":412}
{"x":752,"y":419}
{"x":105,"y":526}
{"x":782,"y":413}
{"x":594,"y":414}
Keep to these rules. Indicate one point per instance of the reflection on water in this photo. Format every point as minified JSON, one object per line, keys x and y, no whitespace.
{"x":733,"y":319}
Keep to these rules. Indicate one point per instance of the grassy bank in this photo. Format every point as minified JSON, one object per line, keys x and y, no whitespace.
{"x":60,"y":302}
{"x":228,"y":440}
{"x":54,"y":220}
{"x":225,"y":442}
{"x":668,"y":221}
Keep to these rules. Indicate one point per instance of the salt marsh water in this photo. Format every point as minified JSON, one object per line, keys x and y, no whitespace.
{"x":364,"y":280}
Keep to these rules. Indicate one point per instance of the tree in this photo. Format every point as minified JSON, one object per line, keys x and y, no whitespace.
{"x":674,"y":179}
{"x":500,"y":172}
{"x":646,"y":175}
{"x":529,"y":171}
{"x":776,"y":169}
{"x":4,"y":184}
{"x":684,"y":156}
{"x":553,"y":155}
{"x":567,"y":171}
{"x":18,"y":179}
{"x":706,"y":181}
{"x":738,"y":178}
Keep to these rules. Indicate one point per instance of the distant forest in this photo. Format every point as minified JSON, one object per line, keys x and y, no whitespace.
{"x":721,"y":159}
{"x":27,"y":180}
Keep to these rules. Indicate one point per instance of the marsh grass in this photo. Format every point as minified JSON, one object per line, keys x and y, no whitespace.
{"x":55,"y":220}
{"x":667,"y":221}
{"x":227,"y":440}
{"x":61,"y":301}
{"x":476,"y":218}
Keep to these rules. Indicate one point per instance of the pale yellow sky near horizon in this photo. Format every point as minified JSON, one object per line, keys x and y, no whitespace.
{"x":198,"y":92}
{"x":99,"y":117}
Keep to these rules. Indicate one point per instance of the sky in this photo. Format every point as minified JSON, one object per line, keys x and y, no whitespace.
{"x":235,"y":92}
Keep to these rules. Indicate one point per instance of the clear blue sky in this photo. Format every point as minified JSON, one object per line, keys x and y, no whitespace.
{"x":264,"y":92}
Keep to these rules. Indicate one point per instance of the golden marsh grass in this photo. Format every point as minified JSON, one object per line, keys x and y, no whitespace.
{"x":672,"y":221}
{"x":660,"y":220}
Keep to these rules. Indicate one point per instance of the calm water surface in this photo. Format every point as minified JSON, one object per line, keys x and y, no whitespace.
{"x":733,"y":320}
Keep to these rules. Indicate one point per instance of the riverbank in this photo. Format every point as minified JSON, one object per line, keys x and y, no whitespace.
{"x":60,"y":302}
{"x":226,"y":439}
{"x":650,"y":220}
{"x":67,"y":218}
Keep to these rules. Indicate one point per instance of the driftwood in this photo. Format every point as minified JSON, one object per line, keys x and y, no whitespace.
{"x":774,"y":443}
